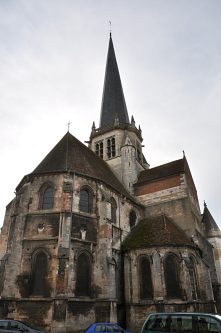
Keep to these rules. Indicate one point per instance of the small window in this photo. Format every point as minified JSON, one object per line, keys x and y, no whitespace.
{"x":99,"y":149}
{"x":132,"y":219}
{"x":47,"y":197}
{"x":86,"y":200}
{"x":111,"y":149}
{"x":193,"y":280}
{"x":139,"y":151}
{"x":111,"y":210}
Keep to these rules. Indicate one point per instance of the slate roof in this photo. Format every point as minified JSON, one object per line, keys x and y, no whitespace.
{"x":210,"y":226}
{"x":158,"y":231}
{"x":113,"y":101}
{"x":72,"y":155}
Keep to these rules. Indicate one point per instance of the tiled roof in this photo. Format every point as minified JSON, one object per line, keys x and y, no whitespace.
{"x":173,"y":168}
{"x":156,"y":231}
{"x":113,"y":101}
{"x":165,"y":170}
{"x":71,"y":155}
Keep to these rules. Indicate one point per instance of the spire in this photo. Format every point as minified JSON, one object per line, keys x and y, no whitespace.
{"x":113,"y":102}
{"x":210,"y":226}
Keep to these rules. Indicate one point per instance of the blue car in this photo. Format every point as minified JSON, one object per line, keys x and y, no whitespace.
{"x":105,"y":327}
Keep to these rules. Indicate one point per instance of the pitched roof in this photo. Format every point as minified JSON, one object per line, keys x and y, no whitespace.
{"x":72,"y":155}
{"x":156,"y":231}
{"x":210,"y":226}
{"x":113,"y":101}
{"x":161,"y":171}
{"x":167,"y":170}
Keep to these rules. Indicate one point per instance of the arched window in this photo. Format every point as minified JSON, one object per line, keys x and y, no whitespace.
{"x":172,"y":281}
{"x":146,"y":286}
{"x":83,"y":282}
{"x":111,"y":210}
{"x":39,"y":274}
{"x":193,"y":279}
{"x":47,"y":197}
{"x":111,"y":148}
{"x":86,"y":200}
{"x":132,"y":218}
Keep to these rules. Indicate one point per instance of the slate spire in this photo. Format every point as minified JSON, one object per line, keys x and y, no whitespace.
{"x":113,"y":103}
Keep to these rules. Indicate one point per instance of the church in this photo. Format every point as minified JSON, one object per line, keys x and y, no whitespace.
{"x":95,"y":234}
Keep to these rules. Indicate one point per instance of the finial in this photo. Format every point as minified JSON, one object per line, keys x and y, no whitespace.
{"x":132,"y":121}
{"x":93,"y":127}
{"x":205,"y":205}
{"x":110,"y":28}
{"x":183,"y":153}
{"x":68,"y":125}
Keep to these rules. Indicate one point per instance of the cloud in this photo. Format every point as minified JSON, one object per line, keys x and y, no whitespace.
{"x":52,"y":62}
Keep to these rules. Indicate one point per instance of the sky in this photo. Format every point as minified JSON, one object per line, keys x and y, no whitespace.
{"x":52,"y":64}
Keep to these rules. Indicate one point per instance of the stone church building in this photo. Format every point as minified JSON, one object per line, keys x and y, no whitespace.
{"x":95,"y":234}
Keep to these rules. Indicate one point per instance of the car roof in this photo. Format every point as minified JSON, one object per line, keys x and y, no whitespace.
{"x":105,"y":323}
{"x":184,"y":313}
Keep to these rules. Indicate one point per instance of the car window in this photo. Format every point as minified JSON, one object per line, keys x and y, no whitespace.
{"x":16,"y":325}
{"x":207,"y":324}
{"x":157,"y":323}
{"x":114,"y":328}
{"x":4,"y":324}
{"x":181,"y":323}
{"x":100,"y":328}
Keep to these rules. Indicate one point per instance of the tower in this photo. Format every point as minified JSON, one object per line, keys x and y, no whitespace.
{"x":117,"y":140}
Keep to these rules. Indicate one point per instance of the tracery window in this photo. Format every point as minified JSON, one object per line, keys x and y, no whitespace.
{"x":47,"y":197}
{"x":86,"y":200}
{"x":146,"y":286}
{"x":111,"y":148}
{"x":172,"y":280}
{"x":39,"y":274}
{"x":83,"y":281}
{"x":99,"y":149}
{"x":132,"y":218}
{"x":193,"y":279}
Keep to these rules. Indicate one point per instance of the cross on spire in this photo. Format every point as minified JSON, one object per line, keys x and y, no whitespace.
{"x":68,"y":125}
{"x":110,"y":27}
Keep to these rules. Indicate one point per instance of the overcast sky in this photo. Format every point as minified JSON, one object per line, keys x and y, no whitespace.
{"x":52,"y":63}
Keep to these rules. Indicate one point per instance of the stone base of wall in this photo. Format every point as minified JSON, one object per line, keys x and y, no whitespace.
{"x":61,"y":315}
{"x":136,"y":313}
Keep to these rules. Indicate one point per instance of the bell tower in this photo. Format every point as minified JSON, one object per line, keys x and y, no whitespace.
{"x":117,"y":140}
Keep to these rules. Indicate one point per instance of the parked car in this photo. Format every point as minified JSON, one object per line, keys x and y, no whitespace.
{"x":182,"y":322}
{"x":105,"y":327}
{"x":15,"y":326}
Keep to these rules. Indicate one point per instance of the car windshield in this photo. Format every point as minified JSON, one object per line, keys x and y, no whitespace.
{"x":28,"y":325}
